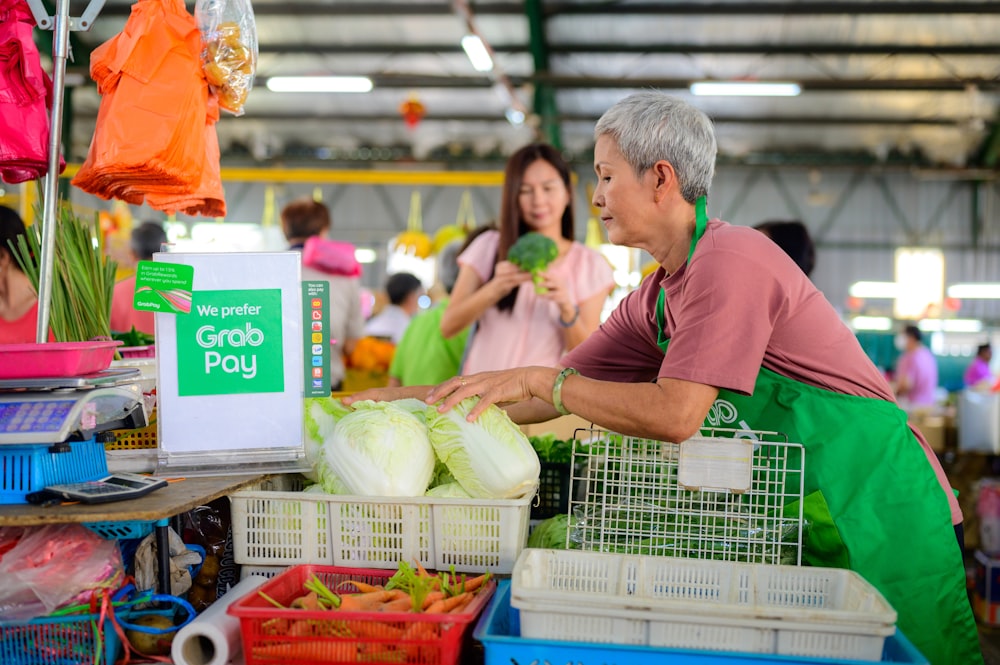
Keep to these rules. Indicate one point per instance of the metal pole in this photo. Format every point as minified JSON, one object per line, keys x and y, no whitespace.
{"x":60,"y":51}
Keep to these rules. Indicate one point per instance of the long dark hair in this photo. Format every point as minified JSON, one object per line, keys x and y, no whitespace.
{"x":512,"y":225}
{"x":11,"y":227}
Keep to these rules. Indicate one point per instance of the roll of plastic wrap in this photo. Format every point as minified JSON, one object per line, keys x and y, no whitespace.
{"x":214,"y":637}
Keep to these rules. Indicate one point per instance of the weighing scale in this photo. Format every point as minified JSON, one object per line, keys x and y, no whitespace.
{"x":53,"y":411}
{"x":56,"y":419}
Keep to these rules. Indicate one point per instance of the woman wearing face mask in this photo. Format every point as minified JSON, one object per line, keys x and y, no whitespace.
{"x":517,"y":325}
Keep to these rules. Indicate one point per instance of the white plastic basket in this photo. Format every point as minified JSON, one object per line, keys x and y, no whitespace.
{"x":733,"y":496}
{"x":281,"y":528}
{"x":698,"y":604}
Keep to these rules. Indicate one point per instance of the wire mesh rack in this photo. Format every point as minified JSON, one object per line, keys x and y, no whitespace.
{"x":730,"y":495}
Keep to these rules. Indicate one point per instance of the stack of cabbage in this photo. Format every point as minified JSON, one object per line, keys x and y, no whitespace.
{"x":406,"y":448}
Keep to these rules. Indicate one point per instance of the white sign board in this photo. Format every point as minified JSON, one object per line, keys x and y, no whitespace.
{"x":230,"y":371}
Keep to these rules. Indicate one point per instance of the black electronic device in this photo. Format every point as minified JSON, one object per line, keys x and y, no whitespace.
{"x":114,"y":487}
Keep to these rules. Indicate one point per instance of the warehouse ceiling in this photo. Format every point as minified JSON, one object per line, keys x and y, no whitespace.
{"x":909,"y":81}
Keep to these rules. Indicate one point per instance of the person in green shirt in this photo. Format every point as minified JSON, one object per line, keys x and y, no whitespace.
{"x":424,"y":356}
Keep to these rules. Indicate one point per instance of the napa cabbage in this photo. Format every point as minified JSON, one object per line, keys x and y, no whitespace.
{"x":490,"y":458}
{"x":321,"y":415}
{"x":378,"y":449}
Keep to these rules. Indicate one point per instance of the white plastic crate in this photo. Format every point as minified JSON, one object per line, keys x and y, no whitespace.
{"x":281,"y":528}
{"x":699,"y":604}
{"x":732,"y":496}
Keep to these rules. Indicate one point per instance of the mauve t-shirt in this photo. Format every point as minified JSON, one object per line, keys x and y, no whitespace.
{"x":741,"y":304}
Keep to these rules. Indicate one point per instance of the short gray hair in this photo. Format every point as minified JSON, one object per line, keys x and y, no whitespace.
{"x":649,"y":126}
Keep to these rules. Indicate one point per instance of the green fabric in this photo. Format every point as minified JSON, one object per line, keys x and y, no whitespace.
{"x":881,"y":494}
{"x":423,"y":356}
{"x":821,"y":543}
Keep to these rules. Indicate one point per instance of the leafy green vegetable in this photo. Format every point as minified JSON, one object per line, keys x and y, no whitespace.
{"x":551,"y":533}
{"x":378,"y":449}
{"x":133,"y":338}
{"x":533,"y":252}
{"x":321,"y":415}
{"x":83,"y":277}
{"x":491,"y":458}
{"x":551,"y":449}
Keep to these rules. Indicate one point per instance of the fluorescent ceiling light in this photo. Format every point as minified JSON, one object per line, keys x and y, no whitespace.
{"x":873,"y":290}
{"x":983,"y":290}
{"x":319,"y":84}
{"x":951,"y":325}
{"x":514,"y":117}
{"x":871,"y":323}
{"x":478,"y":55}
{"x":364,"y":255}
{"x":745,"y":89}
{"x":920,"y":277}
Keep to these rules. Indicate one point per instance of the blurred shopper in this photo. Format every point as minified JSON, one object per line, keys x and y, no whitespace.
{"x":978,"y":374}
{"x":517,"y":324}
{"x":403,"y":290}
{"x":305,"y":218}
{"x":18,"y":300}
{"x":145,"y":240}
{"x":793,"y":237}
{"x":424,"y":356}
{"x":916,"y":374}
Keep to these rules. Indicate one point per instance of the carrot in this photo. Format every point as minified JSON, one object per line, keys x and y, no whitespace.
{"x":432,"y":597}
{"x":445,"y":605}
{"x":460,"y":607}
{"x":363,"y":587}
{"x":364,"y":602}
{"x":397,"y":605}
{"x":474,"y":583}
{"x":421,"y":571}
{"x":310,"y":601}
{"x":375,"y":630}
{"x":287,"y":652}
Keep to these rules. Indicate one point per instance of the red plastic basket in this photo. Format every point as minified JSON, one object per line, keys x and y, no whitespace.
{"x":273,"y":636}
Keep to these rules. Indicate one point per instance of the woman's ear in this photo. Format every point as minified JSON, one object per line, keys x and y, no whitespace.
{"x":664,"y":178}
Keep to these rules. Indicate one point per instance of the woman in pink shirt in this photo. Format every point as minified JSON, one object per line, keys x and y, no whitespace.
{"x":515,"y":325}
{"x":18,"y":300}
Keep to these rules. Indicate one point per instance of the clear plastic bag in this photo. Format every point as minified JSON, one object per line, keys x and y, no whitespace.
{"x":229,"y":54}
{"x":56,"y":565}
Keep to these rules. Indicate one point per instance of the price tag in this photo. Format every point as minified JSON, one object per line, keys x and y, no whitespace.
{"x":715,"y":464}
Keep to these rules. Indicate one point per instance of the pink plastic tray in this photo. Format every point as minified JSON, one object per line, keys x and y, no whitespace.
{"x":55,"y":359}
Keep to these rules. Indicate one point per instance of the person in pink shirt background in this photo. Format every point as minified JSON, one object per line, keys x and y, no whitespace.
{"x":147,"y":239}
{"x":978,"y":373}
{"x":916,"y":372}
{"x":515,"y":325}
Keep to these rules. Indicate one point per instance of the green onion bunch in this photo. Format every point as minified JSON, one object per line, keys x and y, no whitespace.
{"x":83,"y":276}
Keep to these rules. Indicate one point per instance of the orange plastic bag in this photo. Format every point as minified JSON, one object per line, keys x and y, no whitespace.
{"x":155,"y":140}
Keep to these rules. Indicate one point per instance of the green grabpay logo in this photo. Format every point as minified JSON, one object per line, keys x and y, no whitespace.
{"x":231,"y":343}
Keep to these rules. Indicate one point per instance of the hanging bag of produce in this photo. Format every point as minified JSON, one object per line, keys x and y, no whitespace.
{"x":229,"y":53}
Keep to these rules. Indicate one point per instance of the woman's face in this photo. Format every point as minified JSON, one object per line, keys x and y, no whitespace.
{"x":543,"y":197}
{"x":618,"y":194}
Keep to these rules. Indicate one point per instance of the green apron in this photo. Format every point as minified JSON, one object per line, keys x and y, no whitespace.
{"x":882,"y":494}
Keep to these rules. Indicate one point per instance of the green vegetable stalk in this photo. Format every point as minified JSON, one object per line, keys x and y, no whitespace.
{"x":83,"y":276}
{"x":533,"y":253}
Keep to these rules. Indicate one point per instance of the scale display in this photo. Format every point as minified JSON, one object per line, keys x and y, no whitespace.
{"x":52,"y":417}
{"x":34,"y":416}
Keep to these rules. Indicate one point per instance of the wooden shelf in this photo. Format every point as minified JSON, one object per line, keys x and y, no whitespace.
{"x":178,"y":497}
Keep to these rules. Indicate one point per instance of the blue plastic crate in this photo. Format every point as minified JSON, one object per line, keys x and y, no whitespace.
{"x":29,"y":468}
{"x":123,"y":530}
{"x":57,"y":641}
{"x":499,"y":630}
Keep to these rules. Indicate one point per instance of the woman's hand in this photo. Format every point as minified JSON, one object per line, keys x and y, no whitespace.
{"x":387,"y":394}
{"x":506,"y":278}
{"x":502,"y":387}
{"x":556,"y":291}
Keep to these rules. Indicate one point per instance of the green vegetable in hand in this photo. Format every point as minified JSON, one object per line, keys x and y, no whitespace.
{"x":533,"y":252}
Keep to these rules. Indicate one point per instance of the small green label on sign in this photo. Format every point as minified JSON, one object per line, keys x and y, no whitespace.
{"x":163,"y":287}
{"x":316,"y":339}
{"x":231,"y":343}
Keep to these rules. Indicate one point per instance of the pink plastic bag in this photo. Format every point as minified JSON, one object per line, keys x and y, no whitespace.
{"x":56,"y":565}
{"x":330,"y":256}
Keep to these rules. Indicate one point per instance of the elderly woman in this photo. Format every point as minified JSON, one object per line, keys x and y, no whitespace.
{"x":729,"y":317}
